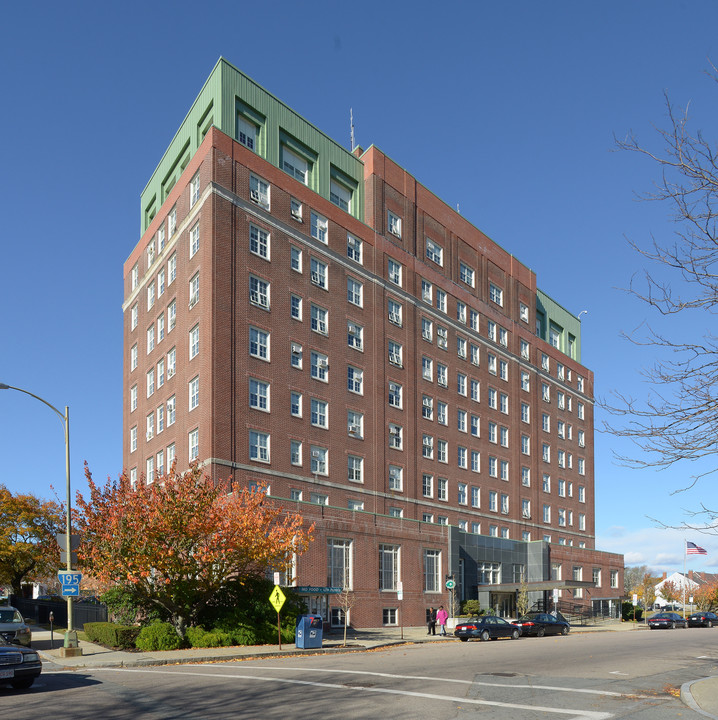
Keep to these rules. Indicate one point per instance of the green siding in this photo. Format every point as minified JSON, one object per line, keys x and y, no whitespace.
{"x":226,"y":91}
{"x":556,"y":314}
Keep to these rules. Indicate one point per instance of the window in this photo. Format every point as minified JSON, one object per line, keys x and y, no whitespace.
{"x":395,"y":353}
{"x":395,"y":436}
{"x":194,"y":342}
{"x":319,"y":273}
{"x":396,"y":512}
{"x":172,"y":222}
{"x":442,"y":413}
{"x":133,"y":316}
{"x":466,"y":274}
{"x":442,"y":489}
{"x":580,"y":410}
{"x":150,"y":382}
{"x":355,"y":292}
{"x":427,"y":485}
{"x":525,"y":349}
{"x":296,"y":355}
{"x":259,"y":191}
{"x":388,"y":568}
{"x":259,"y":446}
{"x":161,"y":327}
{"x":295,"y":404}
{"x":193,"y":444}
{"x":318,"y":499}
{"x":427,"y":329}
{"x":492,"y":363}
{"x":150,"y":427}
{"x":461,"y":311}
{"x":395,"y":312}
{"x":554,"y":336}
{"x":395,"y":392}
{"x":340,"y":195}
{"x":427,"y":447}
{"x":504,"y":432}
{"x":355,"y":335}
{"x":258,"y":343}
{"x":393,"y":224}
{"x":524,"y":312}
{"x":491,"y":330}
{"x":581,"y":494}
{"x":461,"y":347}
{"x":354,"y":248}
{"x":504,"y":370}
{"x":427,"y":368}
{"x":319,"y":460}
{"x":134,"y":276}
{"x":320,"y":322}
{"x":295,"y":452}
{"x":319,"y":227}
{"x":581,"y":466}
{"x":496,"y":294}
{"x":526,"y":476}
{"x":259,"y":243}
{"x":525,"y":381}
{"x":427,"y":407}
{"x":493,"y":436}
{"x":296,"y":166}
{"x":493,"y":398}
{"x":396,"y":478}
{"x":461,"y":420}
{"x":133,"y":398}
{"x":461,"y":384}
{"x":440,"y":300}
{"x":193,"y":393}
{"x":475,"y":429}
{"x":442,"y":337}
{"x":426,"y":291}
{"x":320,"y":366}
{"x":525,"y":445}
{"x":355,"y":380}
{"x":581,"y":521}
{"x":462,"y":457}
{"x":355,"y":424}
{"x":434,"y":252}
{"x":259,"y":395}
{"x":394,"y":272}
{"x":546,"y":452}
{"x":614,"y":578}
{"x":442,"y":375}
{"x":547,"y":513}
{"x":171,"y":414}
{"x":150,"y":295}
{"x":296,"y":307}
{"x":150,"y":338}
{"x":171,"y":316}
{"x":339,"y":572}
{"x":503,"y":337}
{"x":493,"y":501}
{"x":194,"y":290}
{"x":258,"y":292}
{"x":355,"y":468}
{"x":432,"y":570}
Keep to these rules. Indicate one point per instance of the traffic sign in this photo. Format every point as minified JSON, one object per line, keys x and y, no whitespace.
{"x":450,"y":584}
{"x":277,"y":598}
{"x":69,"y":578}
{"x":70,"y":590}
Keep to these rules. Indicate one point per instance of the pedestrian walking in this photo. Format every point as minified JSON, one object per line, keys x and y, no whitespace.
{"x":441,"y":617}
{"x":431,"y":621}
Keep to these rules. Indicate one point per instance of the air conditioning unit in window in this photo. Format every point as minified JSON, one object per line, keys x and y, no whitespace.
{"x":322,"y":363}
{"x":355,"y":429}
{"x":170,"y":372}
{"x":297,"y":215}
{"x":316,"y":454}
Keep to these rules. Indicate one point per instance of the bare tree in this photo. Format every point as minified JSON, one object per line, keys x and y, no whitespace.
{"x":679,"y":419}
{"x":633,"y":578}
{"x":346,"y":600}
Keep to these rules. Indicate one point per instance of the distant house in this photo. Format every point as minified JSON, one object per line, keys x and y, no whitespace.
{"x":691,"y":582}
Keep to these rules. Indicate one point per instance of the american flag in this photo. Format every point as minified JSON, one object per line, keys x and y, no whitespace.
{"x":693,"y":549}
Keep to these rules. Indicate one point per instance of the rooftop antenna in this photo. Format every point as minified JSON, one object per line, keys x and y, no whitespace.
{"x":351,"y":123}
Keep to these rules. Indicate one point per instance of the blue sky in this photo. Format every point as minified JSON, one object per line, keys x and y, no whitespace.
{"x":507,"y":110}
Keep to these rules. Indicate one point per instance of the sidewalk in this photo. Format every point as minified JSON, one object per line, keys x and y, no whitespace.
{"x":700,"y":695}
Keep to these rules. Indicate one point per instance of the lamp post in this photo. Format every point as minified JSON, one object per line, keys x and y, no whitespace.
{"x":71,"y":634}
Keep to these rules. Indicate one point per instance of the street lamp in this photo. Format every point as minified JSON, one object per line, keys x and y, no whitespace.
{"x":70,"y":634}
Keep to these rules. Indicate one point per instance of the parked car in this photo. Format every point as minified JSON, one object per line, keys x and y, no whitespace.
{"x":666,"y":620}
{"x":19,"y":666}
{"x":702,"y":619}
{"x":540,"y":624}
{"x":485,"y":628}
{"x":13,"y":628}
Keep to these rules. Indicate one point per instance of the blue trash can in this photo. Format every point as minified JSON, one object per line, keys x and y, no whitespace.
{"x":309,"y":631}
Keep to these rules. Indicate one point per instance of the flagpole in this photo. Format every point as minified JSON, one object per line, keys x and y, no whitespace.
{"x":685,"y":556}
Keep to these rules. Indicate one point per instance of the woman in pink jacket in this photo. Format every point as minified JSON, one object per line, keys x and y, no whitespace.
{"x":441,"y":617}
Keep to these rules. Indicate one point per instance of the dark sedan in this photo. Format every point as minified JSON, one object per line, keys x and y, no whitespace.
{"x":485,"y":628}
{"x":666,"y":620}
{"x":702,"y":619}
{"x":19,"y":666}
{"x":540,"y":624}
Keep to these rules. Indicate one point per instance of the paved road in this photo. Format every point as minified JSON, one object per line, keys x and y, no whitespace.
{"x":579,"y":677}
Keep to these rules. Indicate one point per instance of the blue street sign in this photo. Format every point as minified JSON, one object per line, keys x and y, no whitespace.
{"x":69,"y":578}
{"x":72,"y":590}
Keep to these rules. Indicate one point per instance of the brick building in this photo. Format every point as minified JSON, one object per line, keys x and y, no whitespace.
{"x":317,"y":320}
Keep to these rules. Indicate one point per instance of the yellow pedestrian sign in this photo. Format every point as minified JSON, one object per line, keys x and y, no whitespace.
{"x":277,"y":598}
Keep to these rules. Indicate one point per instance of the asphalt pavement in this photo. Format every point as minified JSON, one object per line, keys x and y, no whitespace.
{"x":700,"y":695}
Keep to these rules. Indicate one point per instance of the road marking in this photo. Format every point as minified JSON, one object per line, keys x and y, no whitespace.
{"x":617,"y":672}
{"x":454,"y":680}
{"x":575,"y":714}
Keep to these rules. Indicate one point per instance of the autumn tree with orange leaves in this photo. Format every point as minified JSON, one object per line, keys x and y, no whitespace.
{"x":180,"y":540}
{"x":706,"y":596}
{"x":28,"y":549}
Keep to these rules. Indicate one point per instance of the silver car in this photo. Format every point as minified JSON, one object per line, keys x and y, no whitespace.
{"x":13,"y":628}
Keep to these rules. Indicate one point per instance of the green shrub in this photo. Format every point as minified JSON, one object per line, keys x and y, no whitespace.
{"x":112,"y":634}
{"x":471,"y":607}
{"x":200,"y":638}
{"x":126,"y":607}
{"x":245,"y":636}
{"x":627,"y":609}
{"x":158,"y":636}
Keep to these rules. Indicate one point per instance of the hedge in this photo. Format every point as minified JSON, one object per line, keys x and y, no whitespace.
{"x":112,"y":634}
